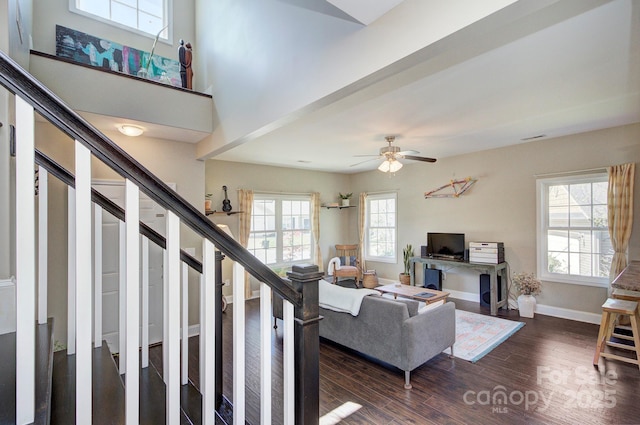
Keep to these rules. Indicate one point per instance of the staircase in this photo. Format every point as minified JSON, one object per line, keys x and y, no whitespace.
{"x":82,"y":383}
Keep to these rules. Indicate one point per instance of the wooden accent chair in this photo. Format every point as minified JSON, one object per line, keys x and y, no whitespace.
{"x":349,"y":265}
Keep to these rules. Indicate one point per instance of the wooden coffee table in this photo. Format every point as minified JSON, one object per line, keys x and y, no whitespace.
{"x":413,"y":292}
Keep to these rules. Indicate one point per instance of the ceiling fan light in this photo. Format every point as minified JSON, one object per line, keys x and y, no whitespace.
{"x":394,"y":165}
{"x":384,"y":167}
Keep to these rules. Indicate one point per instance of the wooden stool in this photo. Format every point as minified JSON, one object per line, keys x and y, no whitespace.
{"x":611,"y":309}
{"x":623,"y":294}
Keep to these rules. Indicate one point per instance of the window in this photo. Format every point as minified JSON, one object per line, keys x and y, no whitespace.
{"x":147,"y":16}
{"x":573,"y":237}
{"x":281,"y":229}
{"x":380,"y":236}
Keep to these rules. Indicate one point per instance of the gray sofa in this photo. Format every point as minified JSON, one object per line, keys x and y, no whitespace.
{"x":390,"y":330}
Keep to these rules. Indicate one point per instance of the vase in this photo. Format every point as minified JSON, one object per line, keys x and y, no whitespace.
{"x":207,"y":204}
{"x":345,"y":202}
{"x":405,"y":279}
{"x":526,"y":305}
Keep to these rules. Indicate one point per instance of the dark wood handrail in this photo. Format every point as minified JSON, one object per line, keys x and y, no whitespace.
{"x":111,"y":207}
{"x":18,"y":81}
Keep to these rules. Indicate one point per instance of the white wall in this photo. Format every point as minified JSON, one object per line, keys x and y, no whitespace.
{"x":171,"y":161}
{"x":333,"y":222}
{"x":273,"y":58}
{"x":501,"y":206}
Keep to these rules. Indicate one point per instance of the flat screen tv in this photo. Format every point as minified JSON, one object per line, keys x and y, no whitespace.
{"x":445,"y":245}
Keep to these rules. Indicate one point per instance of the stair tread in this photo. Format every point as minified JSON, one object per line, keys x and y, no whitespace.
{"x":44,"y":364}
{"x":108,"y":391}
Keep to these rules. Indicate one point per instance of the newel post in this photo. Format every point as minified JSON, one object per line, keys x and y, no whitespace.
{"x":304,"y":278}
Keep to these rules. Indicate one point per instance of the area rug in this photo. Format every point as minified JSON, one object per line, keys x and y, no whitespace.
{"x":477,"y":334}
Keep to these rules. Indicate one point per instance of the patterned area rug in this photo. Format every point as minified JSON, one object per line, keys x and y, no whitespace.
{"x":477,"y":334}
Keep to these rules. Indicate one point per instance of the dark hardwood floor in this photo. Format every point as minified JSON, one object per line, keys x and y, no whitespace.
{"x":543,"y":374}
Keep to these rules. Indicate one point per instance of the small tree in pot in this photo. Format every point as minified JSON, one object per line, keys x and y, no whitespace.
{"x":407,"y":253}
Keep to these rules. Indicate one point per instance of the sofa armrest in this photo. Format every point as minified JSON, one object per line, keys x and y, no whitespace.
{"x":428,"y":334}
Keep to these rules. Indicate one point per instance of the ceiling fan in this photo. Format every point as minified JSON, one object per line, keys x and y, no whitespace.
{"x":390,"y":155}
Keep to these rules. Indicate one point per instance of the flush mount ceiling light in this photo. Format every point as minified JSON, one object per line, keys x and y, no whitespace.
{"x":130,"y":130}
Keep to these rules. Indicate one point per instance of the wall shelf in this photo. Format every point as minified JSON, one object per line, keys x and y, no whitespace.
{"x":338,"y":206}
{"x":214,"y":212}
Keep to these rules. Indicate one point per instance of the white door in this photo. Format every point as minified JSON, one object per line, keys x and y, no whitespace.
{"x":152,"y":215}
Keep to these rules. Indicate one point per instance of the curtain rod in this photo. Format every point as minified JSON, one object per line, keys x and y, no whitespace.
{"x":383,"y":191}
{"x":268,"y":192}
{"x":568,"y":173}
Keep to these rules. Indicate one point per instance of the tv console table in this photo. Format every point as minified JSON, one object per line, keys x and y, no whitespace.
{"x":493,"y":270}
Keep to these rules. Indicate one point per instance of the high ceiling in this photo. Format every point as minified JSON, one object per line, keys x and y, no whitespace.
{"x":559,"y":76}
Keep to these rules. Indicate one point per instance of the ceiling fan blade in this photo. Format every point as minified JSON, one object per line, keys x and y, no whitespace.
{"x":420,"y":158}
{"x":377,"y":158}
{"x":362,"y":156}
{"x":404,"y":153}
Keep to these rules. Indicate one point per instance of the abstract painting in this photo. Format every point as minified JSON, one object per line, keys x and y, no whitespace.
{"x":95,"y":51}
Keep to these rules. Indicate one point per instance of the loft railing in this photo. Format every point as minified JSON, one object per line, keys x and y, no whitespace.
{"x":300,"y":292}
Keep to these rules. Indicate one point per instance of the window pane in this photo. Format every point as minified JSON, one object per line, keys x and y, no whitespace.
{"x":558,"y":240}
{"x":152,"y":7}
{"x":558,"y":262}
{"x":559,"y":216}
{"x":149,"y":23}
{"x":95,"y":7}
{"x":130,"y":3}
{"x":600,"y":218}
{"x":124,"y":14}
{"x":558,"y":195}
{"x":580,"y":216}
{"x":580,"y":194}
{"x":600,"y":193}
{"x":577,"y":239}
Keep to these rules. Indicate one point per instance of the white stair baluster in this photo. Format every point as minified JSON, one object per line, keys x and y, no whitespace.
{"x":97,"y":275}
{"x":184,"y":338}
{"x":288,"y":366}
{"x":202,"y":356}
{"x":71,"y":271}
{"x":132,"y":362}
{"x":172,"y":373}
{"x":265,"y":353}
{"x":207,"y":333}
{"x":238,"y":345}
{"x":122,"y":298}
{"x":145,"y":301}
{"x":25,"y":264}
{"x":43,"y":231}
{"x":84,"y":277}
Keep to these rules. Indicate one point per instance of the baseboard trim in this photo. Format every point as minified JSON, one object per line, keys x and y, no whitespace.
{"x":7,"y":282}
{"x":194,"y":330}
{"x":546,"y":310}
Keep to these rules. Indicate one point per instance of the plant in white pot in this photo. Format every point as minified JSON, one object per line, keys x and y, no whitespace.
{"x":407,"y":253}
{"x":528,"y":286}
{"x":345,"y":198}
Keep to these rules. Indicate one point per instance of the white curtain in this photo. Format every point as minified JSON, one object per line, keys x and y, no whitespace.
{"x":315,"y":229}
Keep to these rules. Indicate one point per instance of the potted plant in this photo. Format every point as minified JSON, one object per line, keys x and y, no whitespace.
{"x":528,"y":286}
{"x":207,"y":201}
{"x":345,"y":198}
{"x":407,"y":253}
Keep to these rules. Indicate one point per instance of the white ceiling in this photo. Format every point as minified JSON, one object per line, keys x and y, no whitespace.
{"x":565,"y":77}
{"x":365,"y":11}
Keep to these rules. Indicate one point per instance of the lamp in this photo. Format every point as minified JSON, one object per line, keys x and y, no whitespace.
{"x":390,"y":165}
{"x":130,"y":130}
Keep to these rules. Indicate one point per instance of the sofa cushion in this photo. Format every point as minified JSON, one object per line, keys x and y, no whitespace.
{"x":412,"y":305}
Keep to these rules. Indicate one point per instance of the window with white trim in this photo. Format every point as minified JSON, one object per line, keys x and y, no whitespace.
{"x":281,"y":229}
{"x":146,"y":16}
{"x":573,"y":236}
{"x":381,"y":228}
